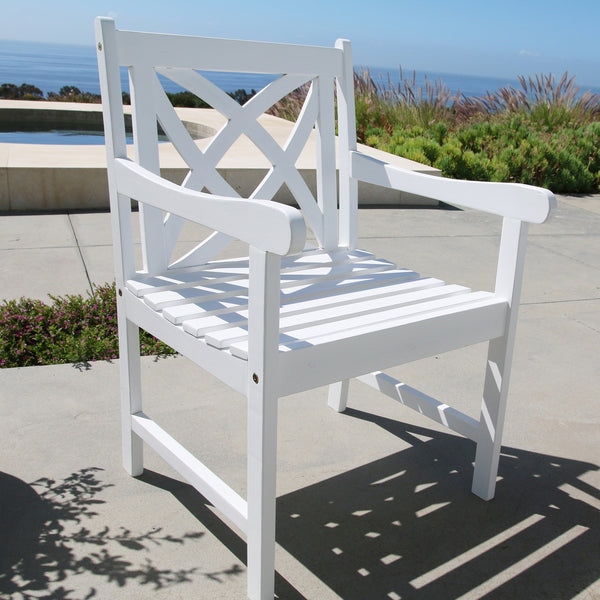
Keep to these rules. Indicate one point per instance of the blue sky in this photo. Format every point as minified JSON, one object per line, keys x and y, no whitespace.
{"x":484,"y":37}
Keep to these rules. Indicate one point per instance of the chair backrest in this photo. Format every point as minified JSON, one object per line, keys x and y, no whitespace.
{"x":153,"y":58}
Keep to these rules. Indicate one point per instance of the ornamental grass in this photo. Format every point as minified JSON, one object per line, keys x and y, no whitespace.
{"x":545,"y":133}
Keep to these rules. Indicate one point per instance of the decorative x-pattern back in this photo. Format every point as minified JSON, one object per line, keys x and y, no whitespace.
{"x":150,"y":105}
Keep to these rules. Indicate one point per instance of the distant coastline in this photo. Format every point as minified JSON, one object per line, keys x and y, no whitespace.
{"x":52,"y":66}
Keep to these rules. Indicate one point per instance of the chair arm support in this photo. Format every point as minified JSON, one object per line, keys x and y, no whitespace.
{"x":516,"y":200}
{"x":263,"y":224}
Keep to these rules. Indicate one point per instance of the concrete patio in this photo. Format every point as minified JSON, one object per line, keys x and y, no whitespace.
{"x":373,"y":503}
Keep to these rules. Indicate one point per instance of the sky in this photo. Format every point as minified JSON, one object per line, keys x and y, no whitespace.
{"x":483,"y":37}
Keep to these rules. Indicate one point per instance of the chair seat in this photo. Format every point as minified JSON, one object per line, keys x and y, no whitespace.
{"x":325,"y":297}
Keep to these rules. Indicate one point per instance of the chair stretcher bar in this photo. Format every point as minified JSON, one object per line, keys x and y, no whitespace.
{"x":214,"y":489}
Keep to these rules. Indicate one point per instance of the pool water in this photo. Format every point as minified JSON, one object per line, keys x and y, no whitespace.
{"x":61,"y":137}
{"x":56,"y":136}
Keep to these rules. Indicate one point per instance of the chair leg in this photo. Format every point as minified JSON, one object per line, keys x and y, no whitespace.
{"x":491,"y":425}
{"x":262,"y":473}
{"x":131,"y":395}
{"x":338,"y":395}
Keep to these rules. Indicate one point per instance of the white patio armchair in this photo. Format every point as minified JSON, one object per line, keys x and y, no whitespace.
{"x":292,"y":316}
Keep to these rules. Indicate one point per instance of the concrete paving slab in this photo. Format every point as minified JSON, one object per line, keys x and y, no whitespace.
{"x":374,"y":503}
{"x":38,"y":272}
{"x":363,"y":497}
{"x":94,"y":228}
{"x":569,"y":219}
{"x":584,"y":250}
{"x":448,"y":222}
{"x":99,"y":263}
{"x":36,"y":231}
{"x":588,"y":202}
{"x":467,"y":260}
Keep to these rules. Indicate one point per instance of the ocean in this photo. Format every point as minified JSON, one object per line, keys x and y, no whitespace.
{"x":52,"y":66}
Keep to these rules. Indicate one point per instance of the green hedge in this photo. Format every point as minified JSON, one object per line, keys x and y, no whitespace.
{"x":508,"y":147}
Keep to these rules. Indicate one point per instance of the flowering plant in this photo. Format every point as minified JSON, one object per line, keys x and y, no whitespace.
{"x":71,"y":329}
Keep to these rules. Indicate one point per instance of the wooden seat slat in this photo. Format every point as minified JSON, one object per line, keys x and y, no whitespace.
{"x":294,"y":305}
{"x":227,"y":270}
{"x":326,"y":292}
{"x":354,"y":328}
{"x":324,"y":313}
{"x":158,"y":300}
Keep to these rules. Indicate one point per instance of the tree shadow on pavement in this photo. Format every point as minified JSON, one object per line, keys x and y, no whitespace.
{"x":407,"y":525}
{"x":47,"y":536}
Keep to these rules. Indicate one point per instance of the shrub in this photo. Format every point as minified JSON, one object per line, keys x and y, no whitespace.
{"x":25,"y":91}
{"x":72,"y":329}
{"x":71,"y":93}
{"x":190,"y":100}
{"x":186,"y":99}
{"x":505,"y":147}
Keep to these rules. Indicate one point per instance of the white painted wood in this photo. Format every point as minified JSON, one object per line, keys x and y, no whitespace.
{"x":145,"y":143}
{"x":242,"y":120}
{"x":201,"y":176}
{"x":423,"y":404}
{"x":188,"y":300}
{"x":222,"y":365}
{"x":231,"y":320}
{"x":325,"y":156}
{"x":197,"y":179}
{"x":263,"y":367}
{"x":206,"y":250}
{"x":338,"y":395}
{"x":214,"y":489}
{"x":108,"y":65}
{"x":213,"y":54}
{"x":114,"y":128}
{"x":300,"y":284}
{"x":511,"y":263}
{"x":373,"y":322}
{"x":176,"y":278}
{"x":267,"y":225}
{"x":525,"y":202}
{"x":326,"y":297}
{"x":204,"y":174}
{"x":131,"y":391}
{"x":298,"y":270}
{"x":221,"y":314}
{"x":307,"y":366}
{"x":348,"y":187}
{"x":288,"y":318}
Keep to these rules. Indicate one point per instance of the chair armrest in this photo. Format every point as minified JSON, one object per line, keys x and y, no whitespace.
{"x":516,"y":200}
{"x":263,"y":224}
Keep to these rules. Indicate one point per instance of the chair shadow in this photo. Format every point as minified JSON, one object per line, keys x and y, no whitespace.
{"x":407,"y":526}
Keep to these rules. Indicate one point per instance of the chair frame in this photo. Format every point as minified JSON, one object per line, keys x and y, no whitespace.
{"x":262,"y":369}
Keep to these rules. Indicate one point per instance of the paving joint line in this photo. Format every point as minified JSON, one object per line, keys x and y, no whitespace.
{"x":559,"y":301}
{"x":87,"y":275}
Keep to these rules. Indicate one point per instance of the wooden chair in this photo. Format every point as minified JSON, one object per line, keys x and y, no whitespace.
{"x":291,"y":316}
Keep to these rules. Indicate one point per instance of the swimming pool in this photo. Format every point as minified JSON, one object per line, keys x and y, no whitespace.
{"x":60,"y":137}
{"x":57,"y":127}
{"x":58,"y":161}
